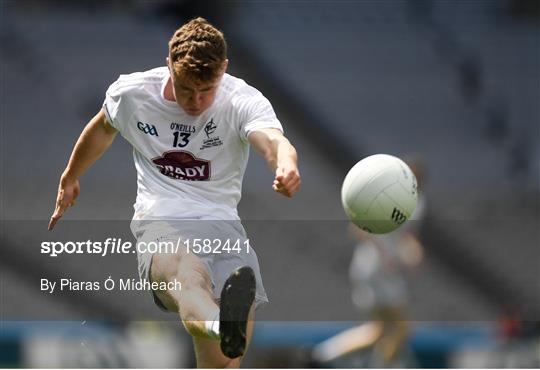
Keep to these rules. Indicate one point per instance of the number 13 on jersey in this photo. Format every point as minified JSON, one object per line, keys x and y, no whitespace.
{"x":181,"y":139}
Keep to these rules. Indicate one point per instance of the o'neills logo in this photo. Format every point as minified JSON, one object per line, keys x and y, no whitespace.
{"x":183,"y":165}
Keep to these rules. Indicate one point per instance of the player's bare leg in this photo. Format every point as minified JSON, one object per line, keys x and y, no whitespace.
{"x":349,"y":341}
{"x":196,"y":306}
{"x":195,"y":301}
{"x":394,"y":333}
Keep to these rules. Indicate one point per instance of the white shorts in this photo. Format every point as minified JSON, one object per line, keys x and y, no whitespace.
{"x":222,"y":246}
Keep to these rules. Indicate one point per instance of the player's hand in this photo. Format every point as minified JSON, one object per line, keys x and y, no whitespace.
{"x":68,"y":191}
{"x":287,"y":181}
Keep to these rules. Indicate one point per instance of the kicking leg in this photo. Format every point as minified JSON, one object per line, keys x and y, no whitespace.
{"x":195,"y":304}
{"x":194,"y":301}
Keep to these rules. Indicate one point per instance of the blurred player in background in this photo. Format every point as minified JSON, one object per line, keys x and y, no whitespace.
{"x":191,"y":124}
{"x":378,"y":273}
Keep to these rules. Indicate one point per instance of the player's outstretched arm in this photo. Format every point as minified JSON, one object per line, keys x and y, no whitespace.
{"x":281,"y":158}
{"x":95,"y":139}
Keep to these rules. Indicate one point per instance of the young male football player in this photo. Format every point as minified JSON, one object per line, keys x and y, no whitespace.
{"x":190,"y":124}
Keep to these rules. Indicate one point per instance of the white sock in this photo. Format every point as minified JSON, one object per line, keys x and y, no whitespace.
{"x":212,"y":326}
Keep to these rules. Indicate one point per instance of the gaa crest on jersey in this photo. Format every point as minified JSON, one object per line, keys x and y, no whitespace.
{"x":211,"y":140}
{"x":182,"y":165}
{"x":147,"y":128}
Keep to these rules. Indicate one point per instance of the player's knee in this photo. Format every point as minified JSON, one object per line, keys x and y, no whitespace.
{"x":193,"y":278}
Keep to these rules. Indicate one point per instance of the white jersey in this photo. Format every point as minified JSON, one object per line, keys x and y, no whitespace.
{"x":187,"y":167}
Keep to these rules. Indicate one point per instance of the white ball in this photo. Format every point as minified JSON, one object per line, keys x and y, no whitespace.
{"x":379,"y":193}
